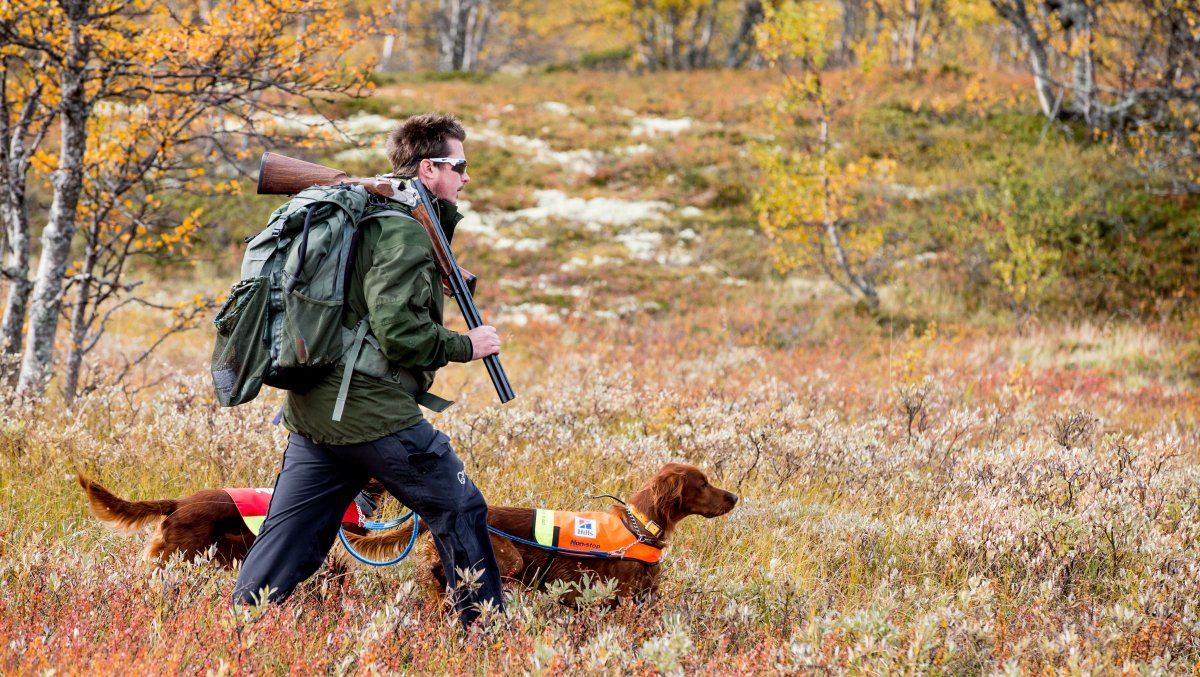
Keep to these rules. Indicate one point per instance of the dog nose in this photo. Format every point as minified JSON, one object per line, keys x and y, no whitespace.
{"x":731,"y":497}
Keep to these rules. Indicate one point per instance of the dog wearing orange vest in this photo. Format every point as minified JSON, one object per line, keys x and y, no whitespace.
{"x":224,"y":521}
{"x":637,"y":531}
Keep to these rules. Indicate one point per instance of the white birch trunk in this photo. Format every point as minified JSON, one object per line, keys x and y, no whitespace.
{"x":671,"y":36}
{"x":397,"y":35}
{"x":1014,"y":12}
{"x":706,"y":36}
{"x":478,"y":25}
{"x":829,"y":221}
{"x":752,"y":14}
{"x":385,"y":59}
{"x":644,"y":24}
{"x":46,"y":301}
{"x":912,"y":34}
{"x":16,"y":245}
{"x":16,"y":266}
{"x":1041,"y":75}
{"x":450,"y":34}
{"x":1083,"y":77}
{"x":78,"y":333}
{"x":20,"y":139}
{"x":469,"y":27}
{"x":445,"y":40}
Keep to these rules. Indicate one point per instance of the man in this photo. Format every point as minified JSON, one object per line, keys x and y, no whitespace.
{"x":382,"y":433}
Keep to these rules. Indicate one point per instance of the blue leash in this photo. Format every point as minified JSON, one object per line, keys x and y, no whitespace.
{"x":567,"y":551}
{"x":391,"y":524}
{"x":379,"y":526}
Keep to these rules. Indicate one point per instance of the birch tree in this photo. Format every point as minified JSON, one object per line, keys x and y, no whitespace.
{"x":809,"y":205}
{"x":394,"y":25}
{"x":150,"y":96}
{"x":462,"y":28}
{"x":676,"y":34}
{"x":25,"y":117}
{"x":60,"y":32}
{"x":741,"y":47}
{"x":1128,"y":69}
{"x":912,"y":25}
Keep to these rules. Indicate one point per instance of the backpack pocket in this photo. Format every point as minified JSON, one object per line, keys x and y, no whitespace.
{"x":242,"y":352}
{"x":312,"y":331}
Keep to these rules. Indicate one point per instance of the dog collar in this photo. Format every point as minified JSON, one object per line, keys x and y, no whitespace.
{"x":650,"y":525}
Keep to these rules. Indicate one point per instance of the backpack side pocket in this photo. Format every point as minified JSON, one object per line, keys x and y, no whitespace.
{"x":242,"y":353}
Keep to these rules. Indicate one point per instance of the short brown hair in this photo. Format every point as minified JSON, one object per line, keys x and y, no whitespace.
{"x":420,"y":137}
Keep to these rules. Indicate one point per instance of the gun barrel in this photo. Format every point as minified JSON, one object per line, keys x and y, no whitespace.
{"x":459,"y":288}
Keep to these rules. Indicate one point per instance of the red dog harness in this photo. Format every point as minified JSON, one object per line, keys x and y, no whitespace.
{"x":598,"y":532}
{"x":252,"y":505}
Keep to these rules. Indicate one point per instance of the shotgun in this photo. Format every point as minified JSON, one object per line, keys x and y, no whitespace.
{"x":282,"y":175}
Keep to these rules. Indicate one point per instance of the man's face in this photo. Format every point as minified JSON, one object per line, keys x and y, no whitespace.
{"x":441,"y":178}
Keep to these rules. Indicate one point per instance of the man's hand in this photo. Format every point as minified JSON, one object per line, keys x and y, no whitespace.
{"x":484,"y":341}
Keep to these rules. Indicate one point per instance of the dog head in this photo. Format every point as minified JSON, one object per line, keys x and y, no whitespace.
{"x":679,"y":490}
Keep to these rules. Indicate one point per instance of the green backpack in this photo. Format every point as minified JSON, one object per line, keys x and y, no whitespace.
{"x":282,"y":322}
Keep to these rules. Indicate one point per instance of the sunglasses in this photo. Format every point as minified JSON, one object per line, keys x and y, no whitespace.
{"x":459,"y":165}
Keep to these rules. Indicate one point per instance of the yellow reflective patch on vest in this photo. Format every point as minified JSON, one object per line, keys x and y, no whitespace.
{"x":254,"y":523}
{"x":543,"y":528}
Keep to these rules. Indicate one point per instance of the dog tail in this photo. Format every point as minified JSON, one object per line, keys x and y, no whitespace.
{"x":381,"y":545}
{"x":120,"y":514}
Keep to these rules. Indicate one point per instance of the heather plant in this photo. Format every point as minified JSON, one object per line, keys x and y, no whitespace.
{"x":1010,"y":530}
{"x":925,"y":491}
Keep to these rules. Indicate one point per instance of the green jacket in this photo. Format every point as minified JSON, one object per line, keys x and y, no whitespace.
{"x":396,"y":284}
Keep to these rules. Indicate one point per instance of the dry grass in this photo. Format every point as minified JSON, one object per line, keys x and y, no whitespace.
{"x":909,"y":502}
{"x":916,"y":497}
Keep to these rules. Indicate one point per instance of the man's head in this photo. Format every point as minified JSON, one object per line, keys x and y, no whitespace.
{"x":427,"y":147}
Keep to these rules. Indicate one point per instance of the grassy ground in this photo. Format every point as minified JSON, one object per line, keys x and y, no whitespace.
{"x":930,"y":491}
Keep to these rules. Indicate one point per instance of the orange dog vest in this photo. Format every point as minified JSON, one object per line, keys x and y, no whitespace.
{"x":252,"y":505}
{"x":598,"y":532}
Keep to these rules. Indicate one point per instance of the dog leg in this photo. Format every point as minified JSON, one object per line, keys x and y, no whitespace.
{"x":157,"y":549}
{"x":508,"y":558}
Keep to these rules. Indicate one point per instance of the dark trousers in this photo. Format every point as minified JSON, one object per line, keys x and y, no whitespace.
{"x":318,"y":482}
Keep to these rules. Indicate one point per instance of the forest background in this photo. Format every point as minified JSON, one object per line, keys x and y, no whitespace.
{"x":914,"y":278}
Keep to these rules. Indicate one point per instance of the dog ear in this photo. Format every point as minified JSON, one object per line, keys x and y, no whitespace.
{"x":667,"y":492}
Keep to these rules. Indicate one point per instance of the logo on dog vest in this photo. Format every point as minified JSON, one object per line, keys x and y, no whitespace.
{"x":585,"y":528}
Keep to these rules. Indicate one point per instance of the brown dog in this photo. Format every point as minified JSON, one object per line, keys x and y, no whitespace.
{"x":191,"y":525}
{"x":675,"y":491}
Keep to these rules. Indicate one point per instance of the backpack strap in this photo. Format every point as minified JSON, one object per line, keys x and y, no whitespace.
{"x":360,"y":332}
{"x":432,"y":402}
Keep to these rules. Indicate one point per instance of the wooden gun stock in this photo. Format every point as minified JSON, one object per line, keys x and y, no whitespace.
{"x":283,"y":175}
